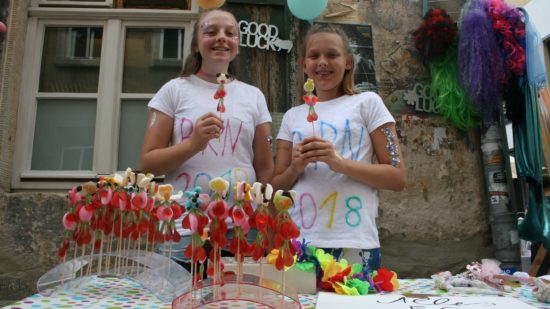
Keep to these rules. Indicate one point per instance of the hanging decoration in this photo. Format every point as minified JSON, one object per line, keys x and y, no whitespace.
{"x":307,"y":9}
{"x":210,"y":4}
{"x":435,"y":35}
{"x":435,"y":39}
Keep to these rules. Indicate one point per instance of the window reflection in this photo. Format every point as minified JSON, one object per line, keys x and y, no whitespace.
{"x":70,"y":59}
{"x":151,"y":58}
{"x":64,"y":135}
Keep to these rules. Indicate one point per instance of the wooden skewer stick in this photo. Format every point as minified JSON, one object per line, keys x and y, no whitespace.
{"x":91,"y":258}
{"x":100,"y":261}
{"x":82,"y":256}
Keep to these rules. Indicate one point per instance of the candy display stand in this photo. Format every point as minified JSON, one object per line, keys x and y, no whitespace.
{"x":250,"y":290}
{"x":158,"y":273}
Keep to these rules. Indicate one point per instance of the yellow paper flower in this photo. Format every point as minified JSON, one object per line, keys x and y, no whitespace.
{"x":330,"y":270}
{"x":394,"y":281}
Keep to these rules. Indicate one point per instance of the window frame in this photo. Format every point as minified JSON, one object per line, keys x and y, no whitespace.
{"x":114,"y":23}
{"x":68,"y":3}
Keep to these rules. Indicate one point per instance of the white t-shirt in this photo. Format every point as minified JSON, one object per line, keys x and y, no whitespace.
{"x":331,"y":209}
{"x":230,"y":157}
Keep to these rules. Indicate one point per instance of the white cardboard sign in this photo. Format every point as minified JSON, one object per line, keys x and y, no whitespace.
{"x":331,"y":301}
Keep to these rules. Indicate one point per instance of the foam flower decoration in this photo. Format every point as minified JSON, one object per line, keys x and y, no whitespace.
{"x":220,"y":92}
{"x":338,"y":275}
{"x":335,"y":271}
{"x":304,"y":260}
{"x":352,"y":287}
{"x":310,"y":99}
{"x":386,"y":280}
{"x":323,"y":258}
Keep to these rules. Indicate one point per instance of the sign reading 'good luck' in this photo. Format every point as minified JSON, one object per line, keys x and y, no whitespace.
{"x":262,"y":36}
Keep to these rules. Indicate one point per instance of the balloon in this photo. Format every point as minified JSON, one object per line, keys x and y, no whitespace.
{"x":210,"y":4}
{"x":2,"y":27}
{"x":307,"y":9}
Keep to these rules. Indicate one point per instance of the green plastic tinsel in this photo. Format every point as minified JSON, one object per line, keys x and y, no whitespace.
{"x":450,"y":100}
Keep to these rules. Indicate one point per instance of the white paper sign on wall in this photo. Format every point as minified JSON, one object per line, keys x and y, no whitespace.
{"x":262,"y":36}
{"x":420,"y":96}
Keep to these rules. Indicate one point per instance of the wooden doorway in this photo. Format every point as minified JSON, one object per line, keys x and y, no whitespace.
{"x":267,"y":50}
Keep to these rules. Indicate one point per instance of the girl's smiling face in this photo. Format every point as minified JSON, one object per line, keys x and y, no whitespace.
{"x":326,"y":61}
{"x":218,"y":37}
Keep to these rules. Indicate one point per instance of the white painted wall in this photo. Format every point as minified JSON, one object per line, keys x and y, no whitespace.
{"x":539,"y":11}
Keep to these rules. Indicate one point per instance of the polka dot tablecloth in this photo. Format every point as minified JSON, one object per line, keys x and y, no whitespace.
{"x":111,"y":293}
{"x":116,"y":293}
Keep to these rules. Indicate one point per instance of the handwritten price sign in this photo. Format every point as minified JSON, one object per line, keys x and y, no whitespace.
{"x":331,"y":300}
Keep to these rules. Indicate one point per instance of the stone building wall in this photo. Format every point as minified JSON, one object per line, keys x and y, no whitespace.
{"x":439,"y":222}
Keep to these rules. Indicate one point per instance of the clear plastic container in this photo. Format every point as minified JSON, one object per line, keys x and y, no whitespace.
{"x":263,"y":293}
{"x":158,"y":273}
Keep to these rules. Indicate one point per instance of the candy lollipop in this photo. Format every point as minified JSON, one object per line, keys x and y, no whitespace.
{"x":196,"y":221}
{"x":217,"y":211}
{"x":220,"y":92}
{"x":239,"y":245}
{"x":310,"y":99}
{"x":261,"y":195}
{"x":284,"y":228}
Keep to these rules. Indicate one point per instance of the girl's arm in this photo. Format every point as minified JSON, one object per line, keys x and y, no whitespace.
{"x":381,"y":175}
{"x":159,"y":157}
{"x":263,"y":158}
{"x":288,"y":166}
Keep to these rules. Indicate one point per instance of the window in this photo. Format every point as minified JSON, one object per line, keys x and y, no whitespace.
{"x":83,"y":112}
{"x":72,"y":3}
{"x":170,"y":44}
{"x":83,"y":43}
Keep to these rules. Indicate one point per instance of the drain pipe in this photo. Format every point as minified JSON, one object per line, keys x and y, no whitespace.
{"x":498,"y":183}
